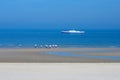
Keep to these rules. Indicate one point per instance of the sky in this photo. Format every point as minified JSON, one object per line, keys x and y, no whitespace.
{"x":53,"y":14}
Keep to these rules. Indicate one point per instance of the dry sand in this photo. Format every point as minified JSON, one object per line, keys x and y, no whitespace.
{"x":34,"y":55}
{"x":59,"y":71}
{"x":32,"y":65}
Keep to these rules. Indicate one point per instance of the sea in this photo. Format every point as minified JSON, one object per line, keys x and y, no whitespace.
{"x":27,"y":38}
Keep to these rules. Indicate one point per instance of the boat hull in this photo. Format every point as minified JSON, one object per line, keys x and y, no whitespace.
{"x":77,"y":32}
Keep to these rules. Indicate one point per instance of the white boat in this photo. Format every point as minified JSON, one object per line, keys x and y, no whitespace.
{"x":73,"y":31}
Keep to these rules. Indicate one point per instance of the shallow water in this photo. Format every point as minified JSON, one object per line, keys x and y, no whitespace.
{"x":65,"y":54}
{"x":97,"y":51}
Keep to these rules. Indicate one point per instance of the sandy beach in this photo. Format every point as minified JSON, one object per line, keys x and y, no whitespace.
{"x":60,"y":55}
{"x":60,"y":71}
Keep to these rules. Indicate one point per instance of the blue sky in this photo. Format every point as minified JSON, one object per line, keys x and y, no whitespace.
{"x":48,"y":14}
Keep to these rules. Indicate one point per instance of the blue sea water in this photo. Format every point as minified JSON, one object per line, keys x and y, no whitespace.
{"x":81,"y":55}
{"x":27,"y":38}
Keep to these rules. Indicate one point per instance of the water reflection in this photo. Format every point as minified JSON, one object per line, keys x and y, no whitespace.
{"x":64,"y":54}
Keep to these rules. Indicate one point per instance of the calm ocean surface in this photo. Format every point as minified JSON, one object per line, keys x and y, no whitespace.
{"x":27,"y":38}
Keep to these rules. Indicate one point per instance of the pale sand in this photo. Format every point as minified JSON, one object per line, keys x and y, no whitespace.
{"x":34,"y":55}
{"x":59,"y":71}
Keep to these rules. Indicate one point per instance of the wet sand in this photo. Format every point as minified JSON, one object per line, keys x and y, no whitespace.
{"x":38,"y":56}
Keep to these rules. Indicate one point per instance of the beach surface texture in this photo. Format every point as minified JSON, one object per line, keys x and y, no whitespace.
{"x":60,"y":55}
{"x":60,"y":71}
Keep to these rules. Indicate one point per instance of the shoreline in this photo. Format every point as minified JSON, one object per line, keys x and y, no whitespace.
{"x":68,"y":48}
{"x":60,"y":55}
